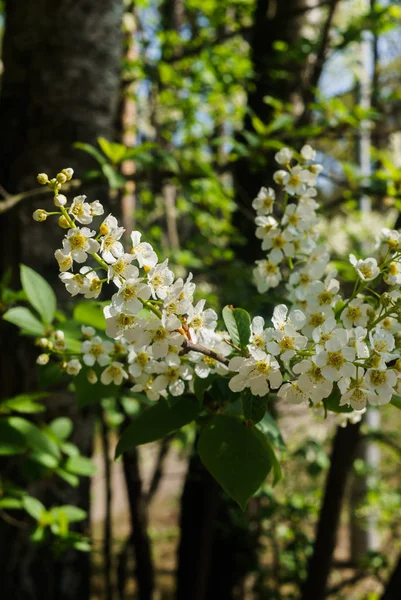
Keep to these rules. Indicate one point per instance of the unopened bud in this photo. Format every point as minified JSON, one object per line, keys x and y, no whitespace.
{"x":39,"y":215}
{"x":42,"y":342}
{"x":68,"y":173}
{"x":104,"y":230}
{"x":61,"y":177}
{"x":60,"y":200}
{"x":92,"y":377}
{"x":63,"y":223}
{"x":398,"y":365}
{"x":386,"y":299}
{"x":42,"y":359}
{"x":59,"y":335}
{"x":42,"y":178}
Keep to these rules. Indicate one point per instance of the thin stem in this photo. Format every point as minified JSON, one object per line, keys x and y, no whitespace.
{"x":150,"y":306}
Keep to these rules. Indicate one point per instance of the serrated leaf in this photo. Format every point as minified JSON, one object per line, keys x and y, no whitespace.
{"x":238,"y":323}
{"x":254,"y":407}
{"x":25,"y":320}
{"x":157,"y":421}
{"x":39,"y":293}
{"x":236,"y":457}
{"x":269,"y":428}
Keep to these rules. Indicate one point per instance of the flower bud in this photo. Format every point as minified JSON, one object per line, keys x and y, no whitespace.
{"x":42,"y":178}
{"x":386,"y":299}
{"x":58,"y":335}
{"x":68,"y":173}
{"x":73,"y":367}
{"x":92,"y":377}
{"x":42,"y":342}
{"x":42,"y":359}
{"x":61,"y":177}
{"x":88,"y":332}
{"x":398,"y":365}
{"x":63,"y":223}
{"x":60,"y":200}
{"x":103,"y":229}
{"x":39,"y":215}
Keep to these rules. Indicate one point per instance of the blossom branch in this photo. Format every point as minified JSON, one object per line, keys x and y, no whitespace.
{"x":191,"y":347}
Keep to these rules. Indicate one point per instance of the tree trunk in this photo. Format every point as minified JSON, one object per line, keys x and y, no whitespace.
{"x":342,"y":456}
{"x":60,"y":84}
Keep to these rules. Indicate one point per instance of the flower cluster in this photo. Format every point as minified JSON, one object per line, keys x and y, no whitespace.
{"x":319,"y":344}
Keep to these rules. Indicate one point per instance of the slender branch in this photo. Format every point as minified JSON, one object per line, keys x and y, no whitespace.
{"x":318,"y":65}
{"x":12,"y":200}
{"x":194,"y":50}
{"x":191,"y":347}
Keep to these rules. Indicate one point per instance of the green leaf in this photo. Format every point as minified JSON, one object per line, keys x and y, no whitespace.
{"x":333,"y":403}
{"x":157,"y":421}
{"x":235,"y":455}
{"x":25,"y":403}
{"x":115,"y":152}
{"x":80,"y":465}
{"x":90,"y":313}
{"x":201,"y":385}
{"x":33,"y":507}
{"x":44,"y":459}
{"x":254,"y":407}
{"x":11,"y":503}
{"x":269,"y":428}
{"x":23,"y":318}
{"x":35,"y":438}
{"x":40,"y":294}
{"x":61,"y":427}
{"x":70,"y":478}
{"x":114,"y":178}
{"x":73,"y":514}
{"x":238,"y":323}
{"x":94,"y":152}
{"x":11,"y":441}
{"x":396,"y":401}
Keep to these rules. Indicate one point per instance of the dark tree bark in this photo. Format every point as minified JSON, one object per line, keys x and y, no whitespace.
{"x":60,"y":85}
{"x":344,"y":447}
{"x":393,"y":588}
{"x":217,"y":547}
{"x":144,"y":572}
{"x":199,"y":508}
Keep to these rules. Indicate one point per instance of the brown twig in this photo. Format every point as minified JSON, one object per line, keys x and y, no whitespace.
{"x":191,"y":347}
